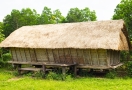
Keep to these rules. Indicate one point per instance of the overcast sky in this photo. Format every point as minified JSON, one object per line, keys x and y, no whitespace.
{"x":104,"y":8}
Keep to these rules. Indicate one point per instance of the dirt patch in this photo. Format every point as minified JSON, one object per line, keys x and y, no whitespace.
{"x":13,"y":79}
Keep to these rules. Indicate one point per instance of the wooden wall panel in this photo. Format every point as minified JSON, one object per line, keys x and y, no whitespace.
{"x":27,"y":55}
{"x":23,"y":54}
{"x":56,"y":56}
{"x":19,"y":57}
{"x":50,"y":55}
{"x":41,"y":55}
{"x":80,"y":56}
{"x":33,"y":55}
{"x":86,"y":56}
{"x":61,"y":55}
{"x":14,"y":56}
{"x":102,"y":56}
{"x":94,"y":57}
{"x":68,"y":58}
{"x":74,"y":55}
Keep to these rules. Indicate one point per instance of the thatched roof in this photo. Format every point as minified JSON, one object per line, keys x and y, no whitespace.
{"x":109,"y":34}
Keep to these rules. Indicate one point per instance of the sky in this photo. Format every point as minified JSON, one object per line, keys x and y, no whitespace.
{"x":104,"y":8}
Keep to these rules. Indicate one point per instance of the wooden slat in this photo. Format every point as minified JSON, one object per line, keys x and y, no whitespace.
{"x":71,"y":55}
{"x":53,"y":55}
{"x":16,"y":54}
{"x":12,"y":54}
{"x":83,"y":57}
{"x":32,"y":55}
{"x":108,"y":57}
{"x":25,"y":55}
{"x":98,"y":60}
{"x":64,"y":56}
{"x":56,"y":56}
{"x":67,"y":56}
{"x":35,"y":55}
{"x":47,"y":55}
{"x":50,"y":55}
{"x":91,"y":63}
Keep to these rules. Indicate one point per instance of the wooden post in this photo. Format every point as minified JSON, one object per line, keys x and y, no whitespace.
{"x":19,"y":71}
{"x":43,"y":68}
{"x":64,"y":72}
{"x":75,"y":70}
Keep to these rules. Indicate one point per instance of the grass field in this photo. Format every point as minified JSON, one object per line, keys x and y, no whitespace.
{"x":9,"y":81}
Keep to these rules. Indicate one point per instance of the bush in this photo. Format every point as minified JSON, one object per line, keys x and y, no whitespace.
{"x":54,"y":76}
{"x":111,"y":74}
{"x":58,"y":76}
{"x":3,"y":61}
{"x":129,"y":68}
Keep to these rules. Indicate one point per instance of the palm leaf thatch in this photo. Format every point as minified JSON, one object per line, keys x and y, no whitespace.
{"x":109,"y":34}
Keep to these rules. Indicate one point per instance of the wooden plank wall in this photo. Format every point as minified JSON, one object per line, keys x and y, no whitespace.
{"x":93,"y":57}
{"x":114,"y":57}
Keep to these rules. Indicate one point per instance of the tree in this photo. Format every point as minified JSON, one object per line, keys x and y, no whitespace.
{"x":77,"y":15}
{"x":18,"y":19}
{"x":1,"y":30}
{"x":124,"y":11}
{"x":1,"y":39}
{"x":46,"y":16}
{"x":57,"y":16}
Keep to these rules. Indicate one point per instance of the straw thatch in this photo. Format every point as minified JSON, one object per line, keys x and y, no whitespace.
{"x":98,"y":34}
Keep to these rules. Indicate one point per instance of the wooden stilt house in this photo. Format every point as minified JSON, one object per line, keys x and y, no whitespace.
{"x":95,"y":45}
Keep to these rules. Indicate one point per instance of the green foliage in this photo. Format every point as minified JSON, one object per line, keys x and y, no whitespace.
{"x":54,"y":76}
{"x":1,"y":32}
{"x":8,"y":81}
{"x":129,"y":68}
{"x":47,"y":17}
{"x":4,"y":58}
{"x":124,"y":11}
{"x":112,"y":74}
{"x":77,"y":15}
{"x":18,"y":19}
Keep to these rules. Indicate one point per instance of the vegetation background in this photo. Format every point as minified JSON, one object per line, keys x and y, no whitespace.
{"x":26,"y":16}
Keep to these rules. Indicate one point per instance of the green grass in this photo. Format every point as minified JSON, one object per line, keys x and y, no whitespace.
{"x":8,"y":81}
